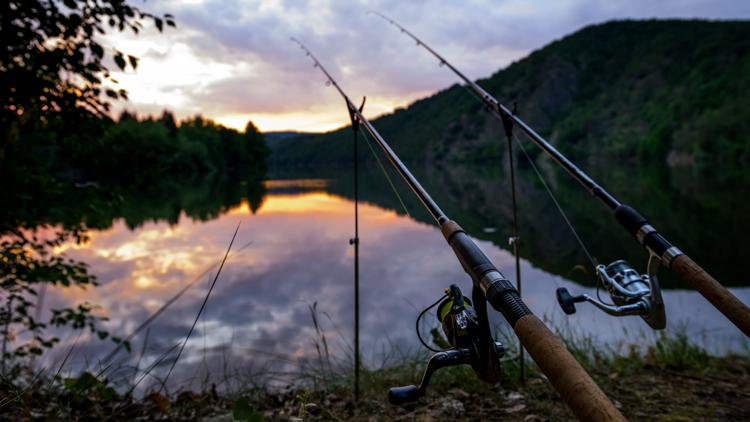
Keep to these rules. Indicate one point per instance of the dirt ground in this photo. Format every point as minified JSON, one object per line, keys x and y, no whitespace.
{"x":718,"y":390}
{"x":644,"y":394}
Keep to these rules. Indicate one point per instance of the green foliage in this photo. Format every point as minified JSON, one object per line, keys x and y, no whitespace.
{"x":28,"y":263}
{"x":628,"y":90}
{"x":243,"y":411}
{"x":677,"y":352}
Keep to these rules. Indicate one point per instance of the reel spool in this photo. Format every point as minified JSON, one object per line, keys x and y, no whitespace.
{"x":457,"y":317}
{"x":632,"y":293}
{"x":468,"y":332}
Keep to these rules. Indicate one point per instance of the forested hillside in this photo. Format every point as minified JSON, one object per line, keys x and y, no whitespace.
{"x":649,"y":91}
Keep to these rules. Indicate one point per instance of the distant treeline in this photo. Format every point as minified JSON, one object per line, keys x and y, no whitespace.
{"x":140,"y":150}
{"x":48,"y":169}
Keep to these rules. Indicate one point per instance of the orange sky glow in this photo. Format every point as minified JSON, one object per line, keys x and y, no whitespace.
{"x":234,"y":62}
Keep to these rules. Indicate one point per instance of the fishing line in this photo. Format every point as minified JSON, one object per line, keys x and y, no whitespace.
{"x":578,"y":238}
{"x":560,"y":209}
{"x":552,"y":196}
{"x":385,"y":173}
{"x":538,"y":173}
{"x":592,"y":260}
{"x":419,"y":318}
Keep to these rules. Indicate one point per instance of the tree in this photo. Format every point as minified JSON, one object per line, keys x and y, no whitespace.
{"x":167,"y":119}
{"x":52,"y":64}
{"x":53,"y":77}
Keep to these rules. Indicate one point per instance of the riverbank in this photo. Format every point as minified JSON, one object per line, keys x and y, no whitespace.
{"x":671,"y":380}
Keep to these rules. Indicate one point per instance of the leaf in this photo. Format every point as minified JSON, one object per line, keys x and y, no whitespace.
{"x":120,"y":61}
{"x":242,"y":411}
{"x":159,"y":24}
{"x":133,"y":62}
{"x":84,"y":382}
{"x":96,"y":49}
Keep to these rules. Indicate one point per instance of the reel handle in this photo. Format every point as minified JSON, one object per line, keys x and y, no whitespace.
{"x":567,"y":301}
{"x":452,"y":357}
{"x":405,"y":394}
{"x":409,"y":393}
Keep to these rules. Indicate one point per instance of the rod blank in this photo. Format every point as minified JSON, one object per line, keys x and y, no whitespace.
{"x":695,"y":276}
{"x":574,"y":384}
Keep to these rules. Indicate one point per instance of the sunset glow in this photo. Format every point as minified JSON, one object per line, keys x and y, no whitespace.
{"x":239,"y":65}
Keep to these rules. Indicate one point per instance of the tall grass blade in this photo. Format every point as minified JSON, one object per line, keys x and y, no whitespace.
{"x":164,"y":307}
{"x":200,"y":311}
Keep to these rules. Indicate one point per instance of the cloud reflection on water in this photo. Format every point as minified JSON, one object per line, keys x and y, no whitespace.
{"x":301,"y":255}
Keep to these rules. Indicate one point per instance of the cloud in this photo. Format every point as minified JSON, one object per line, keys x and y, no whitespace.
{"x":233,"y":60}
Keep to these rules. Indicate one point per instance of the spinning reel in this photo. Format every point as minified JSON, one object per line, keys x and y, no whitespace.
{"x":631,"y":293}
{"x":468,"y":332}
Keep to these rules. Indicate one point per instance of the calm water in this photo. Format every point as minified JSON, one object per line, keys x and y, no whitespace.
{"x":293,"y":251}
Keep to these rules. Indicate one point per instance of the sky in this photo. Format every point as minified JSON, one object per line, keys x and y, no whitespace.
{"x":233,"y":61}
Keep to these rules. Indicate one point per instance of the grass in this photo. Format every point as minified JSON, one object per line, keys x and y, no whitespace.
{"x":670,"y":379}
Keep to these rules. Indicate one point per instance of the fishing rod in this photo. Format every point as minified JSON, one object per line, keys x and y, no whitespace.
{"x":571,"y":381}
{"x":645,"y":296}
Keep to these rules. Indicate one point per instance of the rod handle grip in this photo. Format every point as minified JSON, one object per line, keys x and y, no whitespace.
{"x":718,"y":295}
{"x":578,"y":390}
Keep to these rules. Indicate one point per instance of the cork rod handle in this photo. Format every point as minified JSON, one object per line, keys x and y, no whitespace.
{"x":713,"y":291}
{"x":574,"y":384}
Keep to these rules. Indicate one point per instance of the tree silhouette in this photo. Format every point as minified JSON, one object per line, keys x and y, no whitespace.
{"x":52,"y":65}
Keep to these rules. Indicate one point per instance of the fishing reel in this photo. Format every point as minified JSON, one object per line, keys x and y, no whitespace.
{"x":631,"y":293}
{"x":468,"y":332}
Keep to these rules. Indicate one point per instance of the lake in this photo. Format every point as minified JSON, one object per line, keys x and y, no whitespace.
{"x":292,"y":255}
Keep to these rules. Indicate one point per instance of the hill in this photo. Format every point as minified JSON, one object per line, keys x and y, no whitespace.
{"x":669,"y":91}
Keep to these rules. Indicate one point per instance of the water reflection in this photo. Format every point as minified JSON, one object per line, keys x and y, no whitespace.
{"x":258,"y":314}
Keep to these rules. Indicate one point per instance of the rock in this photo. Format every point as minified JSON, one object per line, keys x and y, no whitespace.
{"x":159,"y":400}
{"x":514,"y":396}
{"x":227,"y":417}
{"x":188,"y":397}
{"x":515,"y":409}
{"x":455,"y":407}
